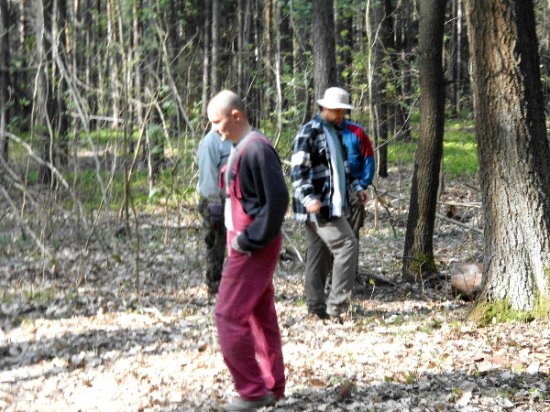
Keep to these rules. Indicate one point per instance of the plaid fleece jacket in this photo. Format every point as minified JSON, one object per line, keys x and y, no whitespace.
{"x":311,"y":174}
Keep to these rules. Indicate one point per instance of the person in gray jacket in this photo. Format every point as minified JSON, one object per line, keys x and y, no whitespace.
{"x":212,"y":155}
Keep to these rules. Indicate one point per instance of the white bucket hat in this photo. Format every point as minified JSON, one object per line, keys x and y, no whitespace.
{"x":335,"y":98}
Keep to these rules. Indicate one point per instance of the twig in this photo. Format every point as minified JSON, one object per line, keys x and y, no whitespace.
{"x":387,"y":211}
{"x":23,"y":223}
{"x":293,"y":247}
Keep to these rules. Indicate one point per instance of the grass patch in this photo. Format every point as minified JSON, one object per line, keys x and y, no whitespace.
{"x":459,"y":149}
{"x":44,"y":296}
{"x":168,"y":190}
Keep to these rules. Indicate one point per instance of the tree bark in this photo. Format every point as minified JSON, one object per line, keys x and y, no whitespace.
{"x":398,"y":123}
{"x":324,"y":46}
{"x":214,"y":78}
{"x":406,"y":36}
{"x":61,"y":115}
{"x":344,"y":40}
{"x":456,"y":58}
{"x":205,"y":55}
{"x":418,"y":257}
{"x":114,"y":69}
{"x":381,"y":104}
{"x":5,"y":79}
{"x":42,"y":125}
{"x":513,"y":151}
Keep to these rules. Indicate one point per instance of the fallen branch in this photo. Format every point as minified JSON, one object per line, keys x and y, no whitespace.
{"x":456,"y":222}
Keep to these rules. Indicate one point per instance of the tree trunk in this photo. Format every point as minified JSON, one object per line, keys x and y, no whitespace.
{"x":513,"y":151}
{"x":418,"y":258}
{"x":456,"y":59}
{"x":398,"y":123}
{"x":381,"y":105}
{"x":114,"y":46}
{"x":406,"y":35}
{"x":5,"y":81}
{"x":214,"y":78}
{"x":205,"y":55}
{"x":138,"y":65}
{"x":277,"y":59}
{"x":61,"y":114}
{"x":286,"y":46}
{"x":324,"y":46}
{"x":344,"y":39}
{"x":43,"y":91}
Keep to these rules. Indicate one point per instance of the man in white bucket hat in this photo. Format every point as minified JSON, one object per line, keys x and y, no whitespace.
{"x":322,"y":186}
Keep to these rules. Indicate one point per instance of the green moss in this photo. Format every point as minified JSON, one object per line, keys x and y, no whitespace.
{"x":423,"y":263}
{"x":486,"y":313}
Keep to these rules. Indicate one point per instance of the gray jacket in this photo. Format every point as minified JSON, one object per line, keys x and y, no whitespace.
{"x":212,"y":155}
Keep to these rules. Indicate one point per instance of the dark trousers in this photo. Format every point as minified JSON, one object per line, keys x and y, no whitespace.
{"x":214,"y":238}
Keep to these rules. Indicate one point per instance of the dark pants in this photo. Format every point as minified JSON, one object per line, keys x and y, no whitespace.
{"x":331,"y":254}
{"x":357,"y":218}
{"x":214,"y":238}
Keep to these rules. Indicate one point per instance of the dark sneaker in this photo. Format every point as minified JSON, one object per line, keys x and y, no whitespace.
{"x":320,"y":313}
{"x":240,"y":404}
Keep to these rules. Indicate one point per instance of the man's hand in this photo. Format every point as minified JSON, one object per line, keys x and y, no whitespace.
{"x":363,"y":195}
{"x":314,"y":206}
{"x":235,"y":245}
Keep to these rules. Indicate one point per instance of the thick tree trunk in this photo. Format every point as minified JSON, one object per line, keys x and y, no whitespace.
{"x":513,"y":151}
{"x":324,"y":46}
{"x":418,"y":258}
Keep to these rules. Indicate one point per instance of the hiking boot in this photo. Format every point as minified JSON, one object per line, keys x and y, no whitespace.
{"x":240,"y":404}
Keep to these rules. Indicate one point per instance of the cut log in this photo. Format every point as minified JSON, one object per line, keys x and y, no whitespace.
{"x":466,"y":279}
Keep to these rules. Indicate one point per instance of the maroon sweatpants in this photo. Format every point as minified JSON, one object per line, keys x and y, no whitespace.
{"x":248,"y":331}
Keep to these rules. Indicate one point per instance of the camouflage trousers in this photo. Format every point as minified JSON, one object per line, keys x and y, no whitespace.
{"x":214,"y":238}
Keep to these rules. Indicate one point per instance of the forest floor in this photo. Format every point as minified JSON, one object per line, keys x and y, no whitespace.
{"x":77,"y":336}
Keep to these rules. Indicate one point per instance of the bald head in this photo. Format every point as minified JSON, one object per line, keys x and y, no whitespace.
{"x":225,"y":101}
{"x":227,"y":115}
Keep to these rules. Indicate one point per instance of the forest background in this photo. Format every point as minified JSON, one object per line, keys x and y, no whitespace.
{"x":102,"y":107}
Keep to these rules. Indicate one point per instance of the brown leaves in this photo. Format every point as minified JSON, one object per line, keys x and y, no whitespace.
{"x":104,"y":347}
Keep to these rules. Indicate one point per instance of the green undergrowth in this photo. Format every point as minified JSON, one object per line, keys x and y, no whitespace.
{"x":459,"y":149}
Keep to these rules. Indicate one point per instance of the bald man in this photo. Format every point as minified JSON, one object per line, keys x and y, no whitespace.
{"x":256,"y":202}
